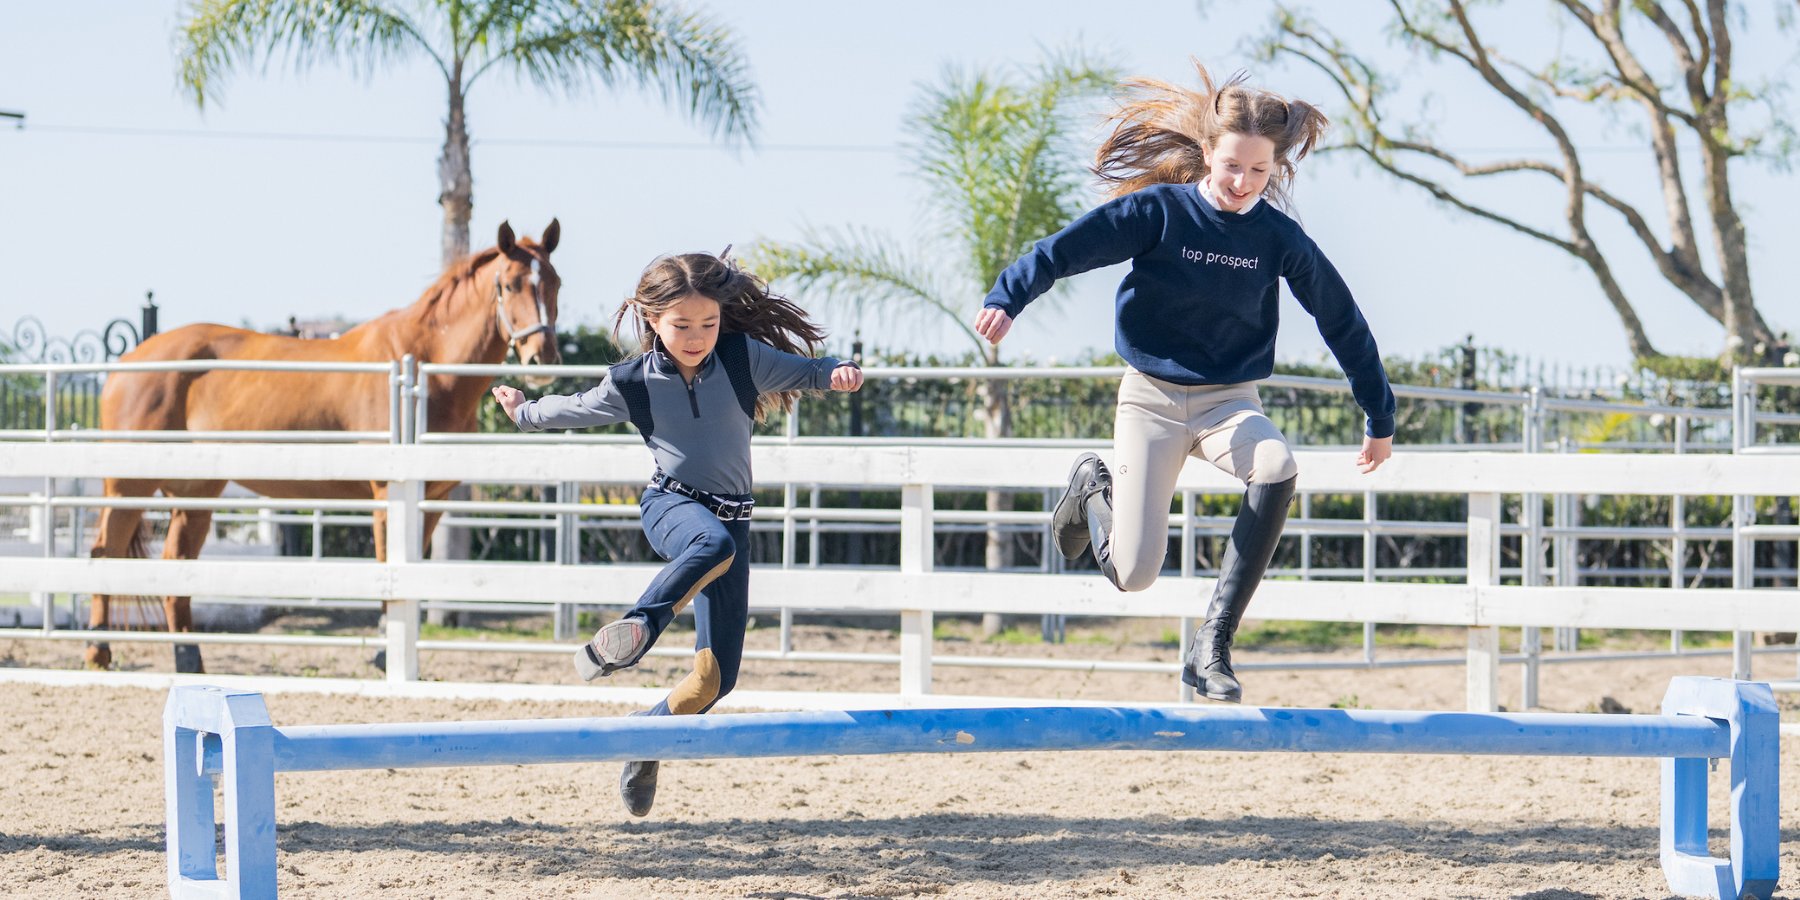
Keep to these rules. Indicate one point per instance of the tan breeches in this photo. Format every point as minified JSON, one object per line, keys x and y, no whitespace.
{"x":1158,"y":426}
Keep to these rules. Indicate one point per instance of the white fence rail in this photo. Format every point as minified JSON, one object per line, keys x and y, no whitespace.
{"x":1481,"y":603}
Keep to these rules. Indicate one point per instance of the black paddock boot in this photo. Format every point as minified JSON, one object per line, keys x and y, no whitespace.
{"x":1207,"y":667}
{"x":1087,"y":478}
{"x":637,"y":786}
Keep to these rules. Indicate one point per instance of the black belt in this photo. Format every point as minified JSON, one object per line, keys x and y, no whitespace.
{"x":728,"y":508}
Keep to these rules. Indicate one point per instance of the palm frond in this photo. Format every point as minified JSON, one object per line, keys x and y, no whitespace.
{"x":998,"y":158}
{"x":219,"y":35}
{"x":684,"y":57}
{"x":860,"y":267}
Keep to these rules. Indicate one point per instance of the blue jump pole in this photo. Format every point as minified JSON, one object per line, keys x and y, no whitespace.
{"x":213,"y":733}
{"x":526,"y":741}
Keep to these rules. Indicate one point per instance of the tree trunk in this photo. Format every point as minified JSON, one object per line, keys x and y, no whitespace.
{"x":1741,"y":337}
{"x":457,"y":186}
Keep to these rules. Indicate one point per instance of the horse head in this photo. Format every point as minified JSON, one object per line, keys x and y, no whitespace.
{"x":525,"y":289}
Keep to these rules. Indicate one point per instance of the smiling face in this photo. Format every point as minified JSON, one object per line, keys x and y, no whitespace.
{"x":689,"y":330}
{"x":1241,"y":165}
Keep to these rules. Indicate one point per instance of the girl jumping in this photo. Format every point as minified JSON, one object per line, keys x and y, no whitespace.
{"x":717,"y":353}
{"x":1196,"y":178}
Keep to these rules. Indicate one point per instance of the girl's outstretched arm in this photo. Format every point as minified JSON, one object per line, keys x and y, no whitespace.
{"x":600,"y":405}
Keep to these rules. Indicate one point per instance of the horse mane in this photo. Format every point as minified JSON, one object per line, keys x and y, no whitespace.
{"x":432,"y":302}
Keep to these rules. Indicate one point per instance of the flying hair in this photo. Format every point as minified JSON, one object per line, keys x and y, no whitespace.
{"x":746,"y":305}
{"x":1164,"y":132}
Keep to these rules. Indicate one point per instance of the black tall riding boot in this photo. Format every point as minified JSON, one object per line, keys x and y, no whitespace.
{"x":1083,"y":517}
{"x":1253,"y":538}
{"x":1100,"y":525}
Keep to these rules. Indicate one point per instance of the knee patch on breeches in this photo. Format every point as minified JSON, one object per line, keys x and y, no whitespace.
{"x":711,"y":576}
{"x":700,"y":688}
{"x":1272,"y":461}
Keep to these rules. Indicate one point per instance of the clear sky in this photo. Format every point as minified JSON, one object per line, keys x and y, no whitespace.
{"x":313,"y":194}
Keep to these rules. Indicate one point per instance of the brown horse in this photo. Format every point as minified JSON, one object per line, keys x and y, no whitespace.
{"x":502,"y":298}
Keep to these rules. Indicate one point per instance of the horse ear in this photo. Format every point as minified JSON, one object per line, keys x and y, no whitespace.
{"x":552,"y":234}
{"x":506,"y":241}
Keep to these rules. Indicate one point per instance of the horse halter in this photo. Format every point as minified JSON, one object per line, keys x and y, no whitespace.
{"x":513,"y":337}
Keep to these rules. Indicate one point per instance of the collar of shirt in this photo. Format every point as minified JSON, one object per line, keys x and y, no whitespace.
{"x":665,"y":363}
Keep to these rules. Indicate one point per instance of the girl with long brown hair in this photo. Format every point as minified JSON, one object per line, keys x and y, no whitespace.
{"x":718,"y":352}
{"x":1196,"y":176}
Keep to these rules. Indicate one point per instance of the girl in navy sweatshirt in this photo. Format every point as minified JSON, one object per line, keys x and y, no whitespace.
{"x":718,"y":352}
{"x":1196,"y":177}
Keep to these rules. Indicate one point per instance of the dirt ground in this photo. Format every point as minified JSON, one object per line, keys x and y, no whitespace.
{"x":81,"y":797}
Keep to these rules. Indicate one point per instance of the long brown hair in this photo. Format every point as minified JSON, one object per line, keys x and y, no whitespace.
{"x":1165,"y":131}
{"x":745,"y":305}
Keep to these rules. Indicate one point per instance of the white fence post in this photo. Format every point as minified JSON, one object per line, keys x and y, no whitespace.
{"x":1484,"y":640}
{"x":405,"y":546}
{"x":916,"y":547}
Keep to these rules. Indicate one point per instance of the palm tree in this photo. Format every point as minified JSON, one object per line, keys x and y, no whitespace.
{"x":1001,"y":169}
{"x":558,"y":44}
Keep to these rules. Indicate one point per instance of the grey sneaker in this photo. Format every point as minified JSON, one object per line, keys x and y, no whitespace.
{"x":616,"y":646}
{"x":1070,"y":518}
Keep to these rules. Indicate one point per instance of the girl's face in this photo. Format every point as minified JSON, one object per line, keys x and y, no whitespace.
{"x":689,"y":329}
{"x":1241,"y":165}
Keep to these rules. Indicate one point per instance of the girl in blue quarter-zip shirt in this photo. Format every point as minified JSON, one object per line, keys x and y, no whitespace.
{"x":718,"y":352}
{"x":1192,"y":174}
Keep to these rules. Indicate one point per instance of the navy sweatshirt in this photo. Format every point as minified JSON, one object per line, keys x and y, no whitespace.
{"x":1200,"y":304}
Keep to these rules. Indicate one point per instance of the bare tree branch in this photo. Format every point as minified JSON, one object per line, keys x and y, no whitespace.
{"x":1701,"y":63}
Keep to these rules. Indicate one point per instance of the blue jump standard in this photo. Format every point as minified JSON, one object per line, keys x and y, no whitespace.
{"x":214,"y":735}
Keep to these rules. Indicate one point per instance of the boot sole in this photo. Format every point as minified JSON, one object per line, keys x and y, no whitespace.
{"x":1072,"y":541}
{"x":617,"y":646}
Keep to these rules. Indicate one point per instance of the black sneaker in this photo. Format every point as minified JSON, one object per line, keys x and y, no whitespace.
{"x":1070,"y":519}
{"x":616,"y":646}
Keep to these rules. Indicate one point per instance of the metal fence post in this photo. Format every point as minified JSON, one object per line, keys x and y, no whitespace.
{"x":397,"y":401}
{"x":1185,"y":625}
{"x":1531,"y":551}
{"x":1369,"y":552}
{"x":47,"y":601}
{"x":1743,"y":513}
{"x":568,"y":553}
{"x":420,"y":390}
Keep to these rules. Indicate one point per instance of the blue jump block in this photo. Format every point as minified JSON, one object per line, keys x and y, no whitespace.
{"x":214,"y":734}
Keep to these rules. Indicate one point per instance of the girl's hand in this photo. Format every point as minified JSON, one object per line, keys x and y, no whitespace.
{"x":992,"y":323}
{"x":509,"y":398}
{"x":846,"y":378}
{"x":1375,"y":451}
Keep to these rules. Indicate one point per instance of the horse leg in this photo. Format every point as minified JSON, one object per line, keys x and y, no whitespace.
{"x":117,"y":537}
{"x":188,"y":530}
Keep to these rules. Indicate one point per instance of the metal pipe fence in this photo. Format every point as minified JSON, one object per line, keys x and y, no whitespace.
{"x":804,"y":526}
